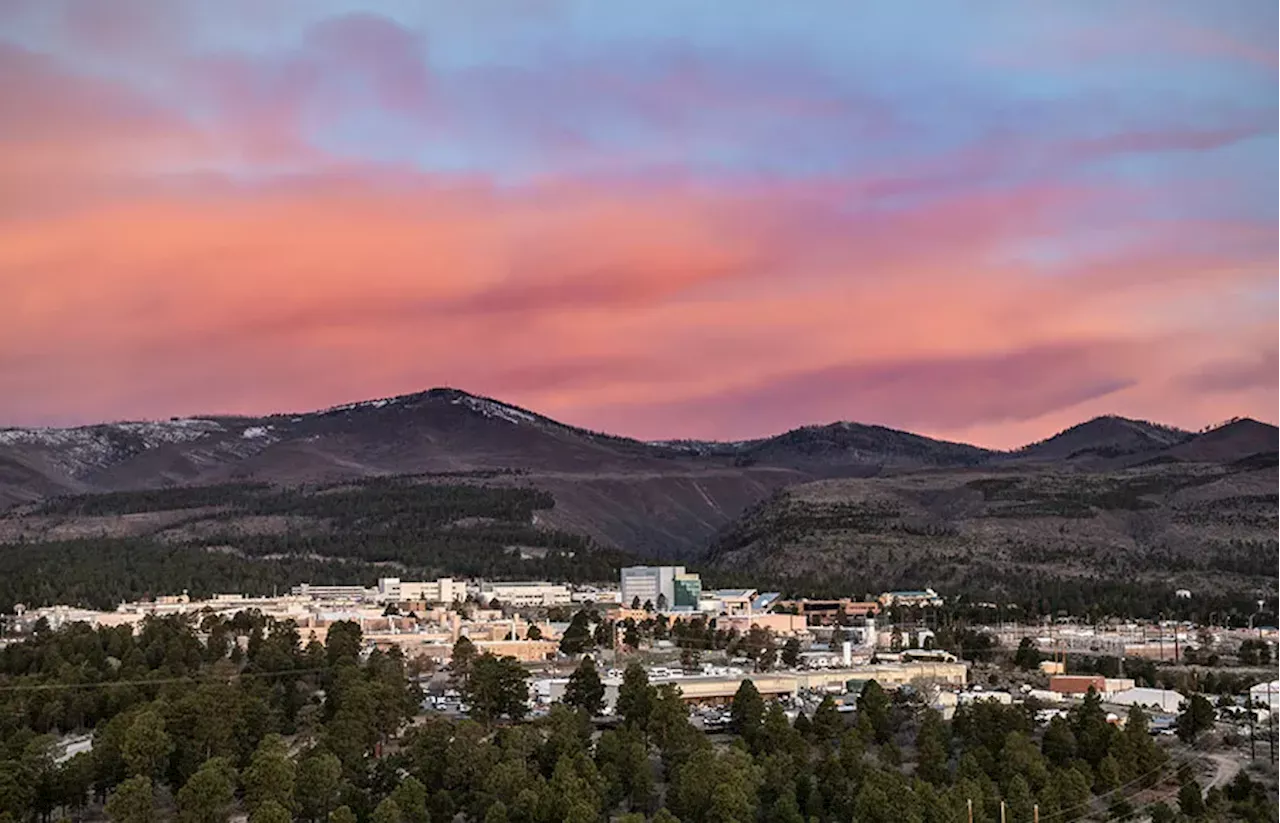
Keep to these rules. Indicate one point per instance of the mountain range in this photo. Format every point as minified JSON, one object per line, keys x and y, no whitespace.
{"x":680,"y":499}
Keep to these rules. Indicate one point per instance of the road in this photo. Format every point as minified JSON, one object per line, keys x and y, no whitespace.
{"x":1226,"y":766}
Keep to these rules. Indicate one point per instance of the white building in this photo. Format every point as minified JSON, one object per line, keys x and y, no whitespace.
{"x":333,"y":592}
{"x":1166,"y":701}
{"x":916,"y":598}
{"x":443,"y":590}
{"x":525,"y":593}
{"x":1267,"y":694}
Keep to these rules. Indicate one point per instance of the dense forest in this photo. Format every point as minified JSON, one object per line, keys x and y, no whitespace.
{"x":200,"y":722}
{"x":348,"y":533}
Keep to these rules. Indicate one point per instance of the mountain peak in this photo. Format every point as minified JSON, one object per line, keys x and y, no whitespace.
{"x":1109,"y":435}
{"x":1234,"y":440}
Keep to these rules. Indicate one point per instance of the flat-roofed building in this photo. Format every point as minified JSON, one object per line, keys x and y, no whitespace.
{"x":333,"y":592}
{"x":442,"y":590}
{"x":525,"y":593}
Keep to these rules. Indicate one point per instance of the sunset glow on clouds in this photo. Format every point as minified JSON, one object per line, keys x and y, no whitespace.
{"x":986,"y":222}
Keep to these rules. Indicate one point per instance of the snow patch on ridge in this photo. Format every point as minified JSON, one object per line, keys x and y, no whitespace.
{"x":494,"y":410}
{"x":85,"y":448}
{"x":363,"y":404}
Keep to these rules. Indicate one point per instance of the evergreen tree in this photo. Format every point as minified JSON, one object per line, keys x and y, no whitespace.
{"x":791,"y":652}
{"x":271,"y":775}
{"x":1191,"y":800}
{"x":874,"y":706}
{"x":342,"y":814}
{"x":147,"y":746}
{"x":577,"y":637}
{"x":1019,"y":800}
{"x":635,"y":697}
{"x":207,"y":796}
{"x":1027,"y":657}
{"x":585,"y":690}
{"x":826,"y":720}
{"x":133,"y":801}
{"x":387,"y":811}
{"x":461,"y":661}
{"x":270,"y":812}
{"x":318,"y":779}
{"x":1197,"y":715}
{"x":1092,"y":731}
{"x":931,"y":749}
{"x":1059,"y":742}
{"x":411,"y":798}
{"x":498,"y":686}
{"x":747,"y":710}
{"x":343,"y":643}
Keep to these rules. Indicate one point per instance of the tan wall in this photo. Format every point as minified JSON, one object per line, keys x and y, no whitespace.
{"x":1077,"y":684}
{"x":439,"y":647}
{"x":776,"y":623}
{"x":774,"y":684}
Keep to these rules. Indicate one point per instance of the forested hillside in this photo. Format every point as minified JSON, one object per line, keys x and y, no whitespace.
{"x":1114,"y":542}
{"x":254,"y":538}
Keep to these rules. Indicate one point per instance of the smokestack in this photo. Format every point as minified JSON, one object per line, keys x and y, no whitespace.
{"x":870,"y":639}
{"x":846,"y":653}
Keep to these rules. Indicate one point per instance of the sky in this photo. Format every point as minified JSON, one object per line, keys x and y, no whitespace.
{"x":983,"y":220}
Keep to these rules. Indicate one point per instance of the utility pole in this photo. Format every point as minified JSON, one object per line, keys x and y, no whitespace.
{"x":1253,"y":750}
{"x":1271,"y":716}
{"x":1035,"y":813}
{"x":1001,"y":811}
{"x":970,"y":804}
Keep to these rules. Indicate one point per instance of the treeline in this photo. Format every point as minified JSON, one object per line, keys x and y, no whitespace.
{"x":153,"y":500}
{"x":348,"y":505}
{"x":101,"y":573}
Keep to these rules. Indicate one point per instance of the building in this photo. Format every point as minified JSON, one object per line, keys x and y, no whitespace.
{"x":1161,"y":700}
{"x":733,"y":601}
{"x":1266,"y":694}
{"x":721,"y":688}
{"x":333,"y":592}
{"x":663,"y":587}
{"x":443,"y":590}
{"x":525,"y":593}
{"x":823,"y":612}
{"x":911,"y":599}
{"x":1077,"y":683}
{"x":780,"y":624}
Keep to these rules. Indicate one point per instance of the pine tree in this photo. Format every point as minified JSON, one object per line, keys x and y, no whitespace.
{"x":747,"y":711}
{"x":635,"y":697}
{"x":133,"y":801}
{"x":931,"y":748}
{"x":585,"y":690}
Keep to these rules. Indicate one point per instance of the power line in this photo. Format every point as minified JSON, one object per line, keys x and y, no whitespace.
{"x":155,"y":682}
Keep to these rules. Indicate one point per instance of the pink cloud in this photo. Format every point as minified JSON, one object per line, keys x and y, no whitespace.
{"x":659,"y":306}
